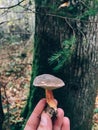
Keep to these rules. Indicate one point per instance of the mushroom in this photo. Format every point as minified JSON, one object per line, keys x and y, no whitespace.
{"x":49,"y":83}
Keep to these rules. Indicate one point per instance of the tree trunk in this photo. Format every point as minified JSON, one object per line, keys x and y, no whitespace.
{"x":78,"y":95}
{"x":1,"y":112}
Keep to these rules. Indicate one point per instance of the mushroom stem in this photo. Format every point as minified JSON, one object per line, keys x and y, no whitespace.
{"x":51,"y":108}
{"x":50,"y":99}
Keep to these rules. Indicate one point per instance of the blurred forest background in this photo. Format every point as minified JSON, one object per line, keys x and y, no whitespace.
{"x":16,"y":37}
{"x":17,"y":27}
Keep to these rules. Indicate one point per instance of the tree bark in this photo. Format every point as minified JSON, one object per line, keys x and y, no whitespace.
{"x":78,"y":95}
{"x":1,"y":112}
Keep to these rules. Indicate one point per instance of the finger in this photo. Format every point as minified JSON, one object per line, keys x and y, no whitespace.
{"x":45,"y":123}
{"x":56,"y":102}
{"x":34,"y":119}
{"x":59,"y":121}
{"x":66,"y":124}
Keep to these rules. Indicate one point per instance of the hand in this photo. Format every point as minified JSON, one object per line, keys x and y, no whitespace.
{"x":40,"y":120}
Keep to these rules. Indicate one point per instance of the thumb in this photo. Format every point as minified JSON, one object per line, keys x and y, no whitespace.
{"x":45,"y":123}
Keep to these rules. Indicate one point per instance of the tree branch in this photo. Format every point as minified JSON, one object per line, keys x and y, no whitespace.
{"x":63,"y":17}
{"x":70,"y":26}
{"x":7,"y":21}
{"x":9,"y":7}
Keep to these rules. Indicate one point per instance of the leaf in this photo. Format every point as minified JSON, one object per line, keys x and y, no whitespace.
{"x":66,"y":4}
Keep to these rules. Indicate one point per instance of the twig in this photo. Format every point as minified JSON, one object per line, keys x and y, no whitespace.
{"x":70,"y":26}
{"x":9,"y":7}
{"x":63,"y":17}
{"x":81,"y":33}
{"x":84,"y":4}
{"x":7,"y":21}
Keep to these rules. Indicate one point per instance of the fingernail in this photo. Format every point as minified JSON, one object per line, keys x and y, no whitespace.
{"x":43,"y":119}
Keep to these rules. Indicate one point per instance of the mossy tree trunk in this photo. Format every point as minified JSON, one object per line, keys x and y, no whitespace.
{"x":78,"y":95}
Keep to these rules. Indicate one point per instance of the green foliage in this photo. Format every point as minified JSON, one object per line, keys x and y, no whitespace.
{"x":87,"y":13}
{"x":63,"y":57}
{"x":80,"y":10}
{"x":96,"y":110}
{"x":13,"y":39}
{"x":90,"y":12}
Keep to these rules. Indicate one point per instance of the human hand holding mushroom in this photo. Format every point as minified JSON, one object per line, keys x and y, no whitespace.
{"x":40,"y":118}
{"x":49,"y":83}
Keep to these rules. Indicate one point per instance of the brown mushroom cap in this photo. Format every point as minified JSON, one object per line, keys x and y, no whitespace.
{"x":48,"y":81}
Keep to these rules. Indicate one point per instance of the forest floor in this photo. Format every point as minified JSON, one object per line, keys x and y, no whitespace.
{"x":15,"y":70}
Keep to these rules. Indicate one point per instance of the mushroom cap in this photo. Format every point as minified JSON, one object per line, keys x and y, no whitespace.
{"x":48,"y":81}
